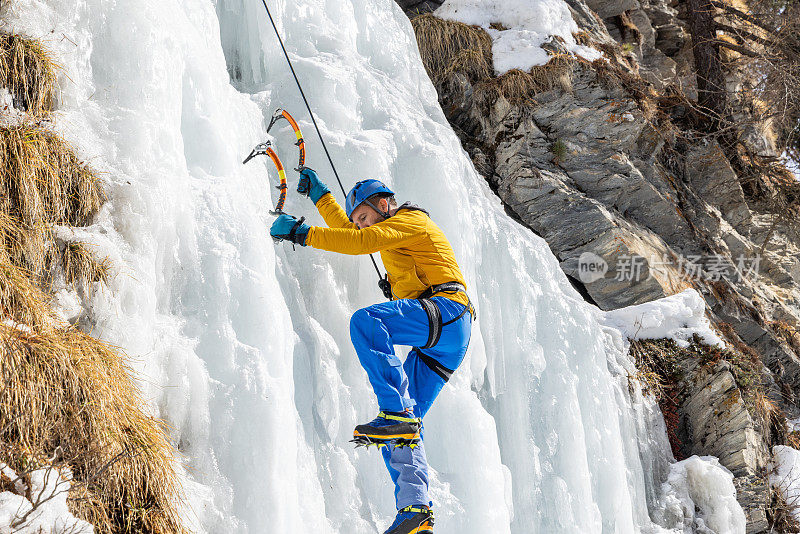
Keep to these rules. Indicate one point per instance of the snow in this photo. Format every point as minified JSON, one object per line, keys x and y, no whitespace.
{"x":15,"y":325}
{"x":792,"y":165}
{"x":793,"y":424}
{"x":677,"y":317}
{"x":784,"y":474}
{"x":243,"y":346}
{"x":9,"y":115}
{"x":49,"y":515}
{"x":699,"y":492}
{"x":528,"y":24}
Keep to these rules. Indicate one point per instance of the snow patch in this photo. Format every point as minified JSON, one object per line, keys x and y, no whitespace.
{"x":699,"y":493}
{"x":46,"y":512}
{"x":9,"y":115}
{"x":677,"y":317}
{"x":528,"y":24}
{"x":785,"y":475}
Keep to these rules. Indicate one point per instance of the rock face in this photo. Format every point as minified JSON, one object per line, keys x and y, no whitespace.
{"x":415,"y":7}
{"x":636,"y":206}
{"x":714,"y":420}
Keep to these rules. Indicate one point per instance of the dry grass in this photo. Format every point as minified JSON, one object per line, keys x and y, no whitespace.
{"x":771,"y":415}
{"x":20,"y":299}
{"x":781,"y":513}
{"x":583,"y":38}
{"x":65,"y":397}
{"x":82,"y":267}
{"x":658,"y":371}
{"x":447,"y":46}
{"x":788,"y":333}
{"x":70,"y":392}
{"x":43,"y":180}
{"x":517,"y":86}
{"x":556,"y":73}
{"x":612,"y":75}
{"x":651,"y":382}
{"x":29,"y":72}
{"x":42,"y":183}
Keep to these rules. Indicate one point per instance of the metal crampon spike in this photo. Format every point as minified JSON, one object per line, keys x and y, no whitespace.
{"x":365,"y":441}
{"x":411,"y":443}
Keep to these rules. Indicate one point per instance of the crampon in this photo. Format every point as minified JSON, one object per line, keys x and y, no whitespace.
{"x":366,"y":441}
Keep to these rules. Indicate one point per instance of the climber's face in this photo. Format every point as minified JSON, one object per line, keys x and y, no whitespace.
{"x":364,"y":216}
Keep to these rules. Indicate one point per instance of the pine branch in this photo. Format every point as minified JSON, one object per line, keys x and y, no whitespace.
{"x":744,"y":51}
{"x":744,"y":34}
{"x":744,"y":16}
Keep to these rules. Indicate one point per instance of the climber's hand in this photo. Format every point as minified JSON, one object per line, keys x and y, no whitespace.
{"x":311,"y":186}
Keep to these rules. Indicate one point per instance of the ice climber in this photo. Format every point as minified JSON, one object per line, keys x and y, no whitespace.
{"x":429,"y":311}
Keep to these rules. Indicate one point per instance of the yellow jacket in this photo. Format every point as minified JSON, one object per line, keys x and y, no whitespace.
{"x":415,"y":252}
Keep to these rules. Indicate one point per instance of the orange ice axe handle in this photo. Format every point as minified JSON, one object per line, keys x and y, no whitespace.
{"x":265,"y":149}
{"x":282,"y":187}
{"x":300,"y":144}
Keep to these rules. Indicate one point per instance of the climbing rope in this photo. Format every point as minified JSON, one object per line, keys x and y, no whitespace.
{"x":382,"y":282}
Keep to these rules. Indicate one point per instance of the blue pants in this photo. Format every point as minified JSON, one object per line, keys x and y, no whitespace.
{"x":374,"y":331}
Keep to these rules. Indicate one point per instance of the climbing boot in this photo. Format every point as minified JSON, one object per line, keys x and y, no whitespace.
{"x":415,"y":519}
{"x":398,"y":428}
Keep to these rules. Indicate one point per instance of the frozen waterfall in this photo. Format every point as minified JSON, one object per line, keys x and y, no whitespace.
{"x":243,"y":346}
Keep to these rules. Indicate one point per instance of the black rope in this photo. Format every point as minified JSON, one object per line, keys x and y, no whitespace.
{"x":324,"y":146}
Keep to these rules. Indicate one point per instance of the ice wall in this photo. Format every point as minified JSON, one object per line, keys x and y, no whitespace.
{"x":243,"y":347}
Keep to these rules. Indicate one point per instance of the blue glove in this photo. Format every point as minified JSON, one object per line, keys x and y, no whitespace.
{"x":311,"y":186}
{"x":289,"y":228}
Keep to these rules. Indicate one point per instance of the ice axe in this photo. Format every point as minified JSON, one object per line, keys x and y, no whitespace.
{"x":265,"y":149}
{"x":300,"y":144}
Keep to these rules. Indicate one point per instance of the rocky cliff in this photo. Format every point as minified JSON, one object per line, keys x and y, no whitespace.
{"x":640,"y":193}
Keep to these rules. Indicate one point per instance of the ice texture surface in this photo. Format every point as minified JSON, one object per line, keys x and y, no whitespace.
{"x":785,"y":475}
{"x":699,"y":493}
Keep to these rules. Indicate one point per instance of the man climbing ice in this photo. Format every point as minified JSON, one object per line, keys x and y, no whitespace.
{"x":429,"y":311}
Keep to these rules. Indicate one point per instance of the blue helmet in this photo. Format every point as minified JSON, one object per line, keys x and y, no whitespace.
{"x":361,"y":192}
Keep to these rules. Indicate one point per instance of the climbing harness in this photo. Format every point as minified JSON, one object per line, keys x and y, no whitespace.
{"x":435,"y":324}
{"x":300,"y":144}
{"x":381,"y":280}
{"x":265,"y":149}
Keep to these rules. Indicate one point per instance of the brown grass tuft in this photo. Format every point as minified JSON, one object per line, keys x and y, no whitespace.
{"x":788,"y":333}
{"x":29,"y":72}
{"x":583,"y":38}
{"x":771,"y":415}
{"x":658,"y":372}
{"x":43,"y":180}
{"x":781,"y":513}
{"x":448,"y":46}
{"x":638,"y":88}
{"x":42,"y":183}
{"x":557,"y":72}
{"x":69,"y":392}
{"x":20,"y":299}
{"x":518,"y":86}
{"x":793,"y":439}
{"x":82,"y":267}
